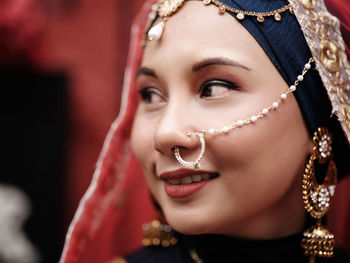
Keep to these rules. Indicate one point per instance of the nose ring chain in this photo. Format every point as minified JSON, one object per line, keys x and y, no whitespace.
{"x":195,"y":163}
{"x":240,"y":123}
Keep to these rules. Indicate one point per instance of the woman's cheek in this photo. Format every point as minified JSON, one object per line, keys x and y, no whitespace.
{"x":142,"y":143}
{"x":141,"y":140}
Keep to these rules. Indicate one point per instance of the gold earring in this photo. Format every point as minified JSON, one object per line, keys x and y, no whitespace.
{"x":318,"y":240}
{"x":158,"y":234}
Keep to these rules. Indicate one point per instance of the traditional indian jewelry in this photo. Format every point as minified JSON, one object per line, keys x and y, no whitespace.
{"x":212,"y":132}
{"x":166,"y":8}
{"x":195,"y":163}
{"x":318,"y":240}
{"x":158,"y":234}
{"x":240,"y":14}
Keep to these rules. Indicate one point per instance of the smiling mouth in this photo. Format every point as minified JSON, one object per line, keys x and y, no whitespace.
{"x":192,"y":179}
{"x":184,"y":183}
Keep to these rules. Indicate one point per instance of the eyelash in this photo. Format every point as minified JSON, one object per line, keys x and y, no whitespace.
{"x":217,"y":82}
{"x":147,"y":92}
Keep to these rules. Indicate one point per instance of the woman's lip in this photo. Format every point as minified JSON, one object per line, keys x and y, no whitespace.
{"x":181,"y":173}
{"x":184,"y":190}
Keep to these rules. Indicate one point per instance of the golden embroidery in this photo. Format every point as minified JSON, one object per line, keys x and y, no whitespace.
{"x":329,"y":55}
{"x":169,"y":7}
{"x":346,"y":112}
{"x":307,"y":3}
{"x":322,"y":33}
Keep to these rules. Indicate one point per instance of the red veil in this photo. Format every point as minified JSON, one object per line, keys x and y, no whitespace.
{"x":108,"y":222}
{"x":110,"y":215}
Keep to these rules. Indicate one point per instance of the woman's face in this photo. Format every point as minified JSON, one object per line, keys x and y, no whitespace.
{"x":206,"y":72}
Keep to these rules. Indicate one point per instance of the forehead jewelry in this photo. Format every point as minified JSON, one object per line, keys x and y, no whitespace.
{"x":240,"y":14}
{"x":166,"y":8}
{"x":213,"y":132}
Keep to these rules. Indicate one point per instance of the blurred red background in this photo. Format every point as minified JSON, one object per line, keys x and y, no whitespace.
{"x":88,"y":40}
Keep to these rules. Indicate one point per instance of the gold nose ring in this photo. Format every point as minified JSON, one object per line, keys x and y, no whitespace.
{"x":195,"y":163}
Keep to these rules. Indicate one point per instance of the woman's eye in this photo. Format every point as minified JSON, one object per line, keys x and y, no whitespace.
{"x":151,"y":95}
{"x":217,"y":88}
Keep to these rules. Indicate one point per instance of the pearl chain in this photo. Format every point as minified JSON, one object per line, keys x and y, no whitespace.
{"x":200,"y":134}
{"x":263,"y":112}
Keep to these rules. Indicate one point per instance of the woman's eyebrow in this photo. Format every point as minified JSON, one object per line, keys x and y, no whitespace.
{"x":219,"y":61}
{"x":146,"y":71}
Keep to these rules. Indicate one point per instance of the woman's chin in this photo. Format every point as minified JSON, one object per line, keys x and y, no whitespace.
{"x":191,"y":226}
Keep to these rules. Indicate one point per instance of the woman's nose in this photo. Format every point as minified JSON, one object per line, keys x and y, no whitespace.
{"x":173,"y":129}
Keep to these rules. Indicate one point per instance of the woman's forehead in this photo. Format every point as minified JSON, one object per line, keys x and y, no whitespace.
{"x":200,"y":32}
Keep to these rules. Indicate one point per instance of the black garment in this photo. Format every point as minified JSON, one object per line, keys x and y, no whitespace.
{"x":223,"y":249}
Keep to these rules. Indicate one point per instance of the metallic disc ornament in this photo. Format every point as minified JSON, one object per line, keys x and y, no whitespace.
{"x":260,"y":19}
{"x":329,"y":55}
{"x":240,"y":16}
{"x":278,"y":17}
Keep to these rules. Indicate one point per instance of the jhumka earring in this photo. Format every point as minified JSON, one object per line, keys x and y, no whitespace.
{"x":318,"y":240}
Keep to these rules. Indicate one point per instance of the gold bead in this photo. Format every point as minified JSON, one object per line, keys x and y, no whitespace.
{"x":155,"y":224}
{"x":206,"y":2}
{"x":173,"y":241}
{"x":222,"y":9}
{"x":155,"y":241}
{"x":165,"y":243}
{"x":260,"y":19}
{"x":146,"y":242}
